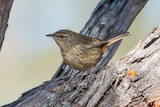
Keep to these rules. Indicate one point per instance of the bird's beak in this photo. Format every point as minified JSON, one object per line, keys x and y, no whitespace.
{"x":49,"y":35}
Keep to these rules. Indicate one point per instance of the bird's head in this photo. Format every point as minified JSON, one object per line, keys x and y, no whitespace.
{"x":64,"y":38}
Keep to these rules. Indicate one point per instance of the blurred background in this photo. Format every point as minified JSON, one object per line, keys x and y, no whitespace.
{"x":28,"y":58}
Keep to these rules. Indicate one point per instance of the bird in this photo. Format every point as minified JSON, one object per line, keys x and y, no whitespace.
{"x":81,"y":52}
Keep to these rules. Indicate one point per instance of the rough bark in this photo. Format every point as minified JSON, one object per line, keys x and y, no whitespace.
{"x":110,"y":86}
{"x":109,"y":18}
{"x":5,"y":7}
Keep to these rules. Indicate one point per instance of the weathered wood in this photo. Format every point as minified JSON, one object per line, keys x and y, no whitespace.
{"x":144,"y":89}
{"x":111,"y":87}
{"x":5,"y":7}
{"x":109,"y":18}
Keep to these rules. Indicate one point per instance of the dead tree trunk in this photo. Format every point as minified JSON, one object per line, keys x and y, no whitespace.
{"x":5,"y":7}
{"x":110,"y":87}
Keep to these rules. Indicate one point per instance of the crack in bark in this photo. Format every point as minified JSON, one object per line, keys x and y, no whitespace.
{"x":137,"y":79}
{"x":145,"y":89}
{"x":134,"y":101}
{"x":138,"y":60}
{"x":151,"y":104}
{"x":110,"y":1}
{"x":91,"y":96}
{"x":151,"y":42}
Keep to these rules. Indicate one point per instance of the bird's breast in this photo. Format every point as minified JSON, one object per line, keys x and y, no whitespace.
{"x":81,"y":58}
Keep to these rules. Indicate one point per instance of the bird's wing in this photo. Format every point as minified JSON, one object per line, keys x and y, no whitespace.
{"x":97,"y":42}
{"x":88,"y":42}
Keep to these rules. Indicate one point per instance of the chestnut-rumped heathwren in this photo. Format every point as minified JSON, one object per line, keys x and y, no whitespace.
{"x":79,"y":51}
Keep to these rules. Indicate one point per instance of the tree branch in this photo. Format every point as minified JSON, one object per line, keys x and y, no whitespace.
{"x":111,"y":87}
{"x":5,"y":7}
{"x":109,"y":18}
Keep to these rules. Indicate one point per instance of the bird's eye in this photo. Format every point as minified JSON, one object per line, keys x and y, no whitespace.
{"x":62,"y":36}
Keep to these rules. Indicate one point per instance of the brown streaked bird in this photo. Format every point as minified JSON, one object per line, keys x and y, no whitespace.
{"x":79,"y":51}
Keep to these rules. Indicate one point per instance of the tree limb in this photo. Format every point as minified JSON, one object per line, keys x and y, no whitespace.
{"x":110,"y":87}
{"x":109,"y":18}
{"x":5,"y":7}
